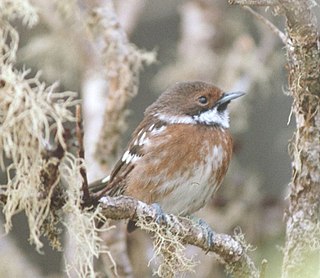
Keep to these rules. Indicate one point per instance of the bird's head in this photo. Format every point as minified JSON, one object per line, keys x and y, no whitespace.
{"x":194,"y":102}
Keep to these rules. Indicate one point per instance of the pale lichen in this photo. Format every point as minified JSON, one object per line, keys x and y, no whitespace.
{"x":34,"y":151}
{"x":19,"y":9}
{"x":81,"y":223}
{"x":169,"y":250}
{"x":30,"y":114}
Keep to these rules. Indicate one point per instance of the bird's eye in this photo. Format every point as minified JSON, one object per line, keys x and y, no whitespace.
{"x":203,"y":100}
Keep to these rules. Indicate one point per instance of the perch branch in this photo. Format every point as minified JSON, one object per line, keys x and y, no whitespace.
{"x":231,"y":251}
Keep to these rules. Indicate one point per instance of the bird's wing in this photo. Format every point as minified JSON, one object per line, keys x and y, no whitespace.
{"x":134,"y":152}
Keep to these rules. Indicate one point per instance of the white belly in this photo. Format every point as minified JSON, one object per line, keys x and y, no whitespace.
{"x":187,"y":198}
{"x":189,"y":193}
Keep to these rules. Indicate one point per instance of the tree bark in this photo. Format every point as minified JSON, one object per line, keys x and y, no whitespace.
{"x":301,"y":251}
{"x":302,"y":244}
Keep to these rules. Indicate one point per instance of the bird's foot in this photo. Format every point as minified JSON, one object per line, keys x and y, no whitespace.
{"x":207,"y":231}
{"x":160,"y":215}
{"x":160,"y":218}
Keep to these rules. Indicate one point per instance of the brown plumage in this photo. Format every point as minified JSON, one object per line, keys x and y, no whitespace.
{"x":179,"y":154}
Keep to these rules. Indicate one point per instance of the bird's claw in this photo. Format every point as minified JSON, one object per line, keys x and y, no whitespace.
{"x":160,"y":218}
{"x":207,"y":232}
{"x":160,"y":215}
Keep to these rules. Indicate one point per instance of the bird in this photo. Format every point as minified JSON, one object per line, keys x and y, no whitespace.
{"x":179,"y":154}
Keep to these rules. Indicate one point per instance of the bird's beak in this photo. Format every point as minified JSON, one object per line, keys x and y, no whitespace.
{"x":227,"y":97}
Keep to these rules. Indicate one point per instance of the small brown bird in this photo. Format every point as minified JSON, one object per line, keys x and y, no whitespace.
{"x":179,"y":154}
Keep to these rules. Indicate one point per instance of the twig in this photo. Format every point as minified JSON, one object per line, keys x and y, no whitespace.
{"x":79,"y":132}
{"x":269,"y":24}
{"x":230,"y":250}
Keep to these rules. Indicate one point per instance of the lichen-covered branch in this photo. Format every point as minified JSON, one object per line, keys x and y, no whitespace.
{"x":302,"y":247}
{"x":232,"y":252}
{"x":122,"y":64}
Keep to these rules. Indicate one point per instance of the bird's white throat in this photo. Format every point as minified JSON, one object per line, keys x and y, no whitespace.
{"x":209,"y":117}
{"x":212,"y":117}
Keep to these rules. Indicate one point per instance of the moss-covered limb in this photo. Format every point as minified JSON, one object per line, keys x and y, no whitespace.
{"x":232,"y":252}
{"x":302,"y":248}
{"x":122,"y":62}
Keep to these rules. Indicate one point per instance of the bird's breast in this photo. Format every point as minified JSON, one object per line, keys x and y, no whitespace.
{"x":182,"y":167}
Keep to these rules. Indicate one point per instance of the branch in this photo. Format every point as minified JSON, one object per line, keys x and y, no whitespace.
{"x":269,"y":24}
{"x":83,"y":172}
{"x":122,"y":63}
{"x":301,"y":19}
{"x":246,"y":3}
{"x":232,"y":252}
{"x":302,"y":246}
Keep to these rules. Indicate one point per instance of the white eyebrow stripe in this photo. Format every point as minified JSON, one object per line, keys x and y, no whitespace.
{"x":209,"y":117}
{"x":176,"y":119}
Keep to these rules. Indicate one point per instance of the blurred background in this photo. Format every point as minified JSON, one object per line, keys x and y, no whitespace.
{"x":194,"y":40}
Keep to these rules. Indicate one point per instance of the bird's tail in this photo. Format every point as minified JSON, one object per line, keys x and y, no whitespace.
{"x":99,"y":185}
